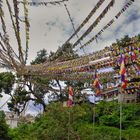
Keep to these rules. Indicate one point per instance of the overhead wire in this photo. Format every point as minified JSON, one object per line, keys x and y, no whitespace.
{"x":16,"y":30}
{"x":108,"y":24}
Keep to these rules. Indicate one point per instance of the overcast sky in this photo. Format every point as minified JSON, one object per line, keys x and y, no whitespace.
{"x":50,"y":26}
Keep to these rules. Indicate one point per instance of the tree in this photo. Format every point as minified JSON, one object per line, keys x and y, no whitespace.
{"x":36,"y":87}
{"x":138,"y":37}
{"x":54,"y":123}
{"x":7,"y":80}
{"x":124,"y":41}
{"x":3,"y":127}
{"x":24,"y":91}
{"x":63,"y":53}
{"x":41,"y":57}
{"x":66,"y":53}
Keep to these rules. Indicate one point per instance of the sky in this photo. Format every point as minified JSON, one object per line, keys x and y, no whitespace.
{"x":50,"y":26}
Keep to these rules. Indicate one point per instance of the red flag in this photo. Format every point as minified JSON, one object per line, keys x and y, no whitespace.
{"x":70,"y":101}
{"x":133,"y":56}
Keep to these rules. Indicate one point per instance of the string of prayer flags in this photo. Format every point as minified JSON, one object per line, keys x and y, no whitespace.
{"x":44,"y":3}
{"x":16,"y":28}
{"x":82,"y":64}
{"x":71,"y":20}
{"x":26,"y":30}
{"x":2,"y":20}
{"x":78,"y":69}
{"x":95,"y":23}
{"x":127,"y":5}
{"x":97,"y":6}
{"x":16,"y":10}
{"x":7,"y":59}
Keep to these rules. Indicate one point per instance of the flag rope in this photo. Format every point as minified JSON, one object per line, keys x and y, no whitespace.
{"x":73,"y":26}
{"x":95,"y":23}
{"x":97,"y":6}
{"x":126,"y":6}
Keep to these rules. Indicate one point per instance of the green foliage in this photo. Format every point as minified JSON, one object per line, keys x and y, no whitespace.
{"x":124,"y":41}
{"x":42,"y":84}
{"x":63,"y":53}
{"x":38,"y":86}
{"x":20,"y":97}
{"x":54,"y":123}
{"x":138,"y":37}
{"x":131,"y":134}
{"x":3,"y":127}
{"x":7,"y":80}
{"x":41,"y":57}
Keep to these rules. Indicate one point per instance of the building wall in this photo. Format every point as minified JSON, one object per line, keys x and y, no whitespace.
{"x":11,"y":119}
{"x":128,"y":98}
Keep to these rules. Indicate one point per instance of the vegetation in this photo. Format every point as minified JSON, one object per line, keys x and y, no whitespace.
{"x":7,"y":80}
{"x":54,"y":123}
{"x":3,"y":127}
{"x":34,"y":88}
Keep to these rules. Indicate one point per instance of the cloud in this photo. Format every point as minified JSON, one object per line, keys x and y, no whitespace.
{"x":51,"y":26}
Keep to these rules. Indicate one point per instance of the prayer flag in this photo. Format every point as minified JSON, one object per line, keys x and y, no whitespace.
{"x":70,"y":101}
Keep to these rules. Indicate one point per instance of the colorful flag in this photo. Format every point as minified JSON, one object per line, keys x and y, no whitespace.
{"x":70,"y":101}
{"x":123,"y":73}
{"x":133,"y":56}
{"x":96,"y":83}
{"x":122,"y":68}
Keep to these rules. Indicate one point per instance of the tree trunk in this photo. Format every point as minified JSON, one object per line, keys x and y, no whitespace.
{"x":61,"y":93}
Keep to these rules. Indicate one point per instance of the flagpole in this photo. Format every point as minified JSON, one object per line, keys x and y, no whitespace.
{"x":69,"y":125}
{"x":93,"y":119}
{"x":97,"y":85}
{"x":120,"y":113}
{"x":70,"y":102}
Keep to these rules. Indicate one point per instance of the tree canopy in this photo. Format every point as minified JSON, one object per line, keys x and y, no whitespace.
{"x":3,"y":127}
{"x":54,"y":123}
{"x":36,"y":87}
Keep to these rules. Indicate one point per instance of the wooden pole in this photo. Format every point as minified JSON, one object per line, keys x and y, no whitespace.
{"x":120,"y":113}
{"x":93,"y":135}
{"x":69,"y":125}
